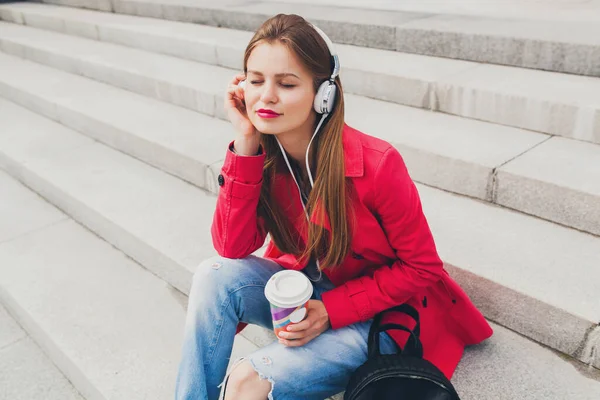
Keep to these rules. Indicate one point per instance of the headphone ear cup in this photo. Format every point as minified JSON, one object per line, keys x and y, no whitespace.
{"x":325,"y":98}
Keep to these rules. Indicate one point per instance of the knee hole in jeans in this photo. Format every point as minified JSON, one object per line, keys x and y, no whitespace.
{"x":243,"y":374}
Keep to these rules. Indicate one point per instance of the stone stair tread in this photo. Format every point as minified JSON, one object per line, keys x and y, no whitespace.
{"x":528,"y":11}
{"x":162,"y":222}
{"x":128,"y":345}
{"x":509,"y":366}
{"x":458,"y":87}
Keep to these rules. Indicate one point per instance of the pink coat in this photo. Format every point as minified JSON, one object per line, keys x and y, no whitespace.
{"x":393,"y":259}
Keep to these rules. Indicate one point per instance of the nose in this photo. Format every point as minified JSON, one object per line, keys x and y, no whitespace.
{"x":268,"y":93}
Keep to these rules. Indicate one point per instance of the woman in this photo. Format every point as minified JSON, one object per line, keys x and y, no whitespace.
{"x":339,"y":206}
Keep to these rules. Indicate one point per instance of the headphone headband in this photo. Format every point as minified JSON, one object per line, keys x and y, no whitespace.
{"x":334,"y":56}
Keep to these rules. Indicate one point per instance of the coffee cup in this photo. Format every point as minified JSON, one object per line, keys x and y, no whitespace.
{"x":288,"y":293}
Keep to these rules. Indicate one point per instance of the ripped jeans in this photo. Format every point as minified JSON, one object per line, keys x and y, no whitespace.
{"x":226,"y":291}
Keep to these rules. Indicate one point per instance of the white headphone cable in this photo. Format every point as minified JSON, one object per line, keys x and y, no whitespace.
{"x":312,"y":184}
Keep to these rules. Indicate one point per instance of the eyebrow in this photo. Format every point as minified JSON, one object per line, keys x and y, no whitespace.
{"x":280,"y":75}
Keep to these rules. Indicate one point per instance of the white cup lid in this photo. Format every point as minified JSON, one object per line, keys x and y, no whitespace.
{"x":288,"y":289}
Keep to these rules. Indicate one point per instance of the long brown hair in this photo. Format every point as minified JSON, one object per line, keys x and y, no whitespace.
{"x":330,"y":189}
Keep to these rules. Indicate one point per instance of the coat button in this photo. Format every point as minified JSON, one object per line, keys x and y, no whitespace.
{"x":221,"y":180}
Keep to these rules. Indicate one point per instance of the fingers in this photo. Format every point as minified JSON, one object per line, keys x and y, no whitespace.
{"x":238,"y":78}
{"x":298,"y":342}
{"x":293,"y":335}
{"x":299,"y":331}
{"x":234,"y":99}
{"x":300,"y":326}
{"x":233,"y":88}
{"x":235,"y":92}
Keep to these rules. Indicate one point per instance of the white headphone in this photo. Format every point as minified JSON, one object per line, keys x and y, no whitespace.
{"x":325,"y":97}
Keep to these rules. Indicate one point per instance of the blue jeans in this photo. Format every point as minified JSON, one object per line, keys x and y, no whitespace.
{"x":227,"y":291}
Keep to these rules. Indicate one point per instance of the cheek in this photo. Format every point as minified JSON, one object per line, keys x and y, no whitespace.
{"x":299,"y":103}
{"x":250,"y":98}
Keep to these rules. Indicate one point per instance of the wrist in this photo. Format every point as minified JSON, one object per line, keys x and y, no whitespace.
{"x":245,"y":148}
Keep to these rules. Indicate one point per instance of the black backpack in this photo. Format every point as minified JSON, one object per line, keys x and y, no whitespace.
{"x":402,"y":376}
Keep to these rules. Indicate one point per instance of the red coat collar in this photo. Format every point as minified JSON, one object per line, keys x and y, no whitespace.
{"x":353,"y":153}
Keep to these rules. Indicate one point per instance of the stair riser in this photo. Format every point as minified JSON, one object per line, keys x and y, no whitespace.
{"x":562,"y":205}
{"x":571,"y":121}
{"x":573,"y":58}
{"x":99,"y":5}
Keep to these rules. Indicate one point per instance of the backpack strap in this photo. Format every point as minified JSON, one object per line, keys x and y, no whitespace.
{"x":413,"y":346}
{"x":403,"y":308}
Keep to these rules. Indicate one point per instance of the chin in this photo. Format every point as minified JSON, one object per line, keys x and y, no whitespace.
{"x":270,"y":128}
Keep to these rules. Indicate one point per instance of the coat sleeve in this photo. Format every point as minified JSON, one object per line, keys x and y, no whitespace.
{"x":417,"y":265}
{"x":236,"y":230}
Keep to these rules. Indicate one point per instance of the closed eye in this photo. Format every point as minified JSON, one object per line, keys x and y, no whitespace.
{"x":287,"y":86}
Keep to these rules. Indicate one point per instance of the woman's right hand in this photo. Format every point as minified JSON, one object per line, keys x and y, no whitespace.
{"x":235,"y":107}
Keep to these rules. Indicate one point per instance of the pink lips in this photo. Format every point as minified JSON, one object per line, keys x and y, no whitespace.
{"x":267,"y":113}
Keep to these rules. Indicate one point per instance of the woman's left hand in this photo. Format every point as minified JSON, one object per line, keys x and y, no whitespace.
{"x":315,"y":323}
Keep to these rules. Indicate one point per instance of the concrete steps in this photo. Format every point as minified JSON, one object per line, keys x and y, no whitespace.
{"x":544,"y":277}
{"x":114,"y":329}
{"x":547,"y":102}
{"x":132,"y":154}
{"x":565,"y":41}
{"x":451,"y":166}
{"x":176,"y":140}
{"x":461,"y":155}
